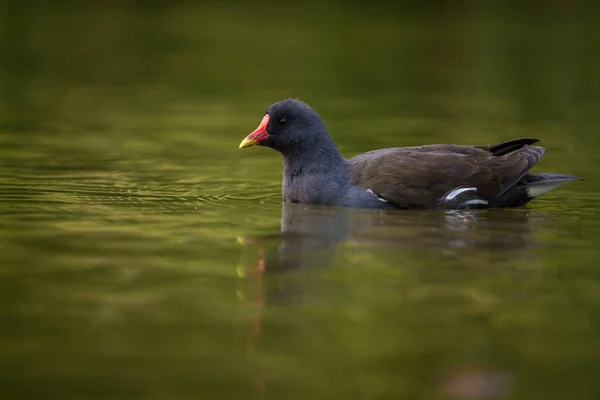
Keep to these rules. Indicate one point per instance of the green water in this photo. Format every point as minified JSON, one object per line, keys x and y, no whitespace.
{"x":142,"y":255}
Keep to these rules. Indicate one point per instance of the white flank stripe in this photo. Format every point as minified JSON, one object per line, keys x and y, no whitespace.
{"x":378,"y":197}
{"x":475,"y":202}
{"x":458,"y":191}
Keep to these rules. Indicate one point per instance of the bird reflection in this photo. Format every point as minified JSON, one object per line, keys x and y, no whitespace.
{"x":311,"y":236}
{"x":314,"y":238}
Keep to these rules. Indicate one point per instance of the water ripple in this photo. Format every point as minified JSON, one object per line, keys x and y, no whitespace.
{"x":50,"y":194}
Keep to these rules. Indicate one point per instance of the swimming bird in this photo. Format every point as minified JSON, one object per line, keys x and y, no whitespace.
{"x":444,"y":176}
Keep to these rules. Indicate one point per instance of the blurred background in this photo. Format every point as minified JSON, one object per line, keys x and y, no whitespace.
{"x":142,"y":255}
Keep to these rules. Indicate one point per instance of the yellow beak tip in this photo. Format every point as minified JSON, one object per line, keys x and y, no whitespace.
{"x":247,"y":143}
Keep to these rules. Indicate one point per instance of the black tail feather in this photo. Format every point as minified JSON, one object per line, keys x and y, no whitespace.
{"x":510,"y":146}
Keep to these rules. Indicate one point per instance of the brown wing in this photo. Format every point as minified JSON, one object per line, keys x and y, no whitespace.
{"x":418,"y":176}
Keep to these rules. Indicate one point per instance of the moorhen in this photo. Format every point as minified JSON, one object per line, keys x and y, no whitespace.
{"x":445,"y":176}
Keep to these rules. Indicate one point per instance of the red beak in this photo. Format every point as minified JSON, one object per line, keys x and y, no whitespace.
{"x":258,"y":136}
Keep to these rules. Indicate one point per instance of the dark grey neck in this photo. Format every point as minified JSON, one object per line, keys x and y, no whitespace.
{"x":315,"y":173}
{"x":316,"y":157}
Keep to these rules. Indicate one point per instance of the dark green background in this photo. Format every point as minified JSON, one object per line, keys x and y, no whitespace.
{"x":141,"y":253}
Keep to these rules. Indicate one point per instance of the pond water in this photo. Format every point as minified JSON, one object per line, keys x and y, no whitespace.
{"x":142,"y":255}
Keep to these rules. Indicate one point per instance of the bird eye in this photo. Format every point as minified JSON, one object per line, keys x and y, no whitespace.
{"x":282,"y":122}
